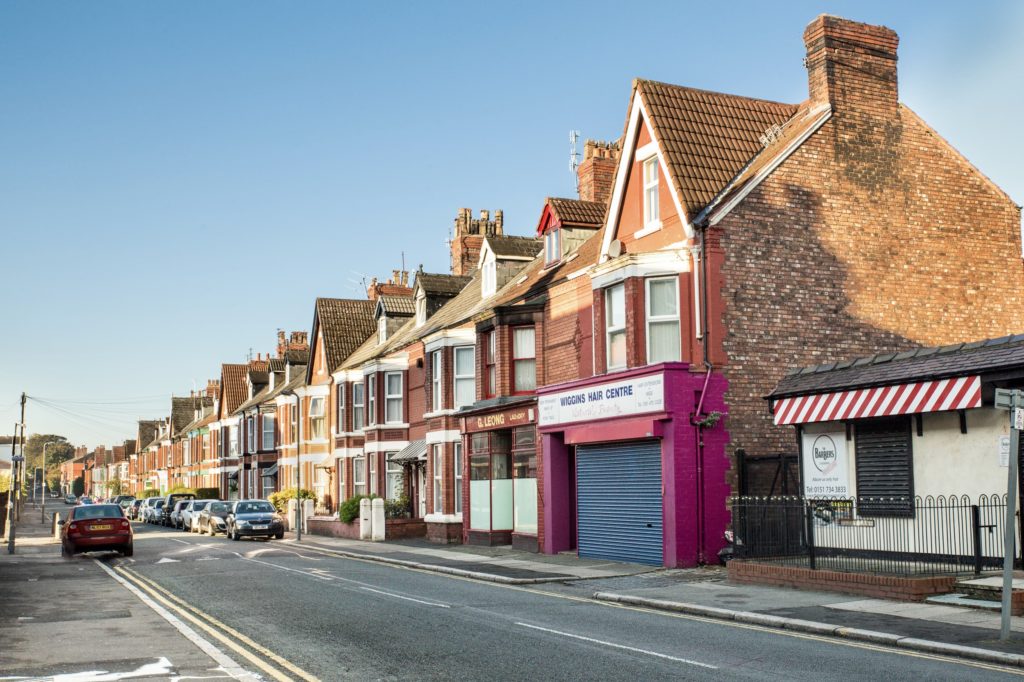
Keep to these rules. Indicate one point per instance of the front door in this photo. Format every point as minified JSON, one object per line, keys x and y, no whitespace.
{"x":421,"y":490}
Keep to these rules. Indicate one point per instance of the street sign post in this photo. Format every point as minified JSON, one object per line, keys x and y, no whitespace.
{"x":1013,"y":400}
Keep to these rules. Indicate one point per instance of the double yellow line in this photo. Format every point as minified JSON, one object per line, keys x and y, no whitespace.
{"x":267,"y":661}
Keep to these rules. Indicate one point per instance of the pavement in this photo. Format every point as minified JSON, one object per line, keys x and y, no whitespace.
{"x":40,"y":603}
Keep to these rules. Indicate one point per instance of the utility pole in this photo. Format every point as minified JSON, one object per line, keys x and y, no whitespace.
{"x":1012,"y":400}
{"x":43,"y":483}
{"x":16,"y":459}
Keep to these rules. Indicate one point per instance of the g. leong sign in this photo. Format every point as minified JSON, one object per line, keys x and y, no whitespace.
{"x":826,"y":467}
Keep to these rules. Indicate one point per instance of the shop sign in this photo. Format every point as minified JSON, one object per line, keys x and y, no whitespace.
{"x":499,"y":420}
{"x":601,"y":401}
{"x":826,"y":466}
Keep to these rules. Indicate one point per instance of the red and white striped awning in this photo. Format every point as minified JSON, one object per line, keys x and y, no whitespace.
{"x":926,"y":396}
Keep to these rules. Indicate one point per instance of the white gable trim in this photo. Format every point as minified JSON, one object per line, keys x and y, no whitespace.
{"x":637,"y":115}
{"x":719,"y":212}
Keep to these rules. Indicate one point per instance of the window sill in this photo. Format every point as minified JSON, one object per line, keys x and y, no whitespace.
{"x":649,"y":228}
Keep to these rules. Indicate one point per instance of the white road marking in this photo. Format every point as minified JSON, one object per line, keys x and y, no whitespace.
{"x":398,"y":596}
{"x":620,"y":646}
{"x":223,"y":660}
{"x":166,"y":560}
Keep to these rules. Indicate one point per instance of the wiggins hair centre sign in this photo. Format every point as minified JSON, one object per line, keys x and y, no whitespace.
{"x":826,"y":464}
{"x":601,"y":401}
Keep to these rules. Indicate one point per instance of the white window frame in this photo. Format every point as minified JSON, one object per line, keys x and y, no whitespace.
{"x":393,"y":399}
{"x":392,"y":469}
{"x":382,"y":329}
{"x":438,"y":467}
{"x":268,"y":443}
{"x":553,"y":246}
{"x":359,"y":476}
{"x":316,"y":418}
{"x":421,"y":308}
{"x":652,"y":207}
{"x":339,"y":395}
{"x":358,"y":406}
{"x":469,"y":378}
{"x":250,"y":434}
{"x":609,"y":330}
{"x":371,"y":399}
{"x":371,"y":469}
{"x":457,"y":476}
{"x":186,"y":452}
{"x":233,"y":440}
{"x":518,"y":359}
{"x":489,"y":276}
{"x":662,"y":319}
{"x":436,"y":394}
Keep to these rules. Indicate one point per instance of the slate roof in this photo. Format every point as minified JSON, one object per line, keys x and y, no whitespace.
{"x":147,"y":427}
{"x":344,"y":323}
{"x":183,"y":411}
{"x":707,"y":137}
{"x":920,"y":364}
{"x":296,"y":357}
{"x":277,"y":364}
{"x":577,"y":212}
{"x":509,"y":246}
{"x":434,"y":284}
{"x":397,"y":305}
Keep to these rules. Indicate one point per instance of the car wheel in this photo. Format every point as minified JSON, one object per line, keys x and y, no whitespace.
{"x":234,"y":535}
{"x":128,"y":551}
{"x":279,"y":535}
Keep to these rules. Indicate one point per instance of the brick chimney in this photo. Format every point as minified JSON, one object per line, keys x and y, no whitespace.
{"x":212,"y":387}
{"x":293,"y":341}
{"x":469,"y":238}
{"x":397,"y":285}
{"x":851,"y":65}
{"x":597,"y":171}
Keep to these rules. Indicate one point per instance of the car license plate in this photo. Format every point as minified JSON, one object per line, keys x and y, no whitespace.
{"x":102,"y":526}
{"x":260,"y":527}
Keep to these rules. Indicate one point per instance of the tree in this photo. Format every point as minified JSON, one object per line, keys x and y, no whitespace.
{"x":115,"y":487}
{"x":59,"y":450}
{"x":78,"y":486}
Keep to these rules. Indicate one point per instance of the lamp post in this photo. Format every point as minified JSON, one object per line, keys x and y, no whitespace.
{"x":298,"y":463}
{"x":42,"y":486}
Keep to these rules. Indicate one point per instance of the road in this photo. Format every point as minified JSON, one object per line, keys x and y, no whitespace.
{"x":288,"y":612}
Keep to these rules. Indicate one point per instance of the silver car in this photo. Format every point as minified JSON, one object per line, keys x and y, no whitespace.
{"x":190,"y":514}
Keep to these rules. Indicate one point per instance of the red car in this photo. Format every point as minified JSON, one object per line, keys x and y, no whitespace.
{"x":95,"y":528}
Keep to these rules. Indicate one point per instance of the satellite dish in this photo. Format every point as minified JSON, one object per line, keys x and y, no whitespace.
{"x":615,"y":248}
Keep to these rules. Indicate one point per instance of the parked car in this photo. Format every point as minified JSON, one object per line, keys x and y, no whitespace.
{"x":179,"y":506}
{"x":155,"y":512}
{"x":70,"y":499}
{"x":96,"y":527}
{"x":254,"y":519}
{"x":123,"y":500}
{"x":147,"y":505}
{"x":190,"y":514}
{"x":132,"y":510}
{"x":169,"y":502}
{"x":213,"y":518}
{"x":85,"y":500}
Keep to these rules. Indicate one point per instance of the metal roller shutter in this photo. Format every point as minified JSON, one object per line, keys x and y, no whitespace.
{"x":619,"y":503}
{"x":885,"y":467}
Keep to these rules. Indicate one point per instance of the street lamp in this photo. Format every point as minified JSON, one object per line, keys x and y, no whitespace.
{"x":42,"y":486}
{"x":298,"y":464}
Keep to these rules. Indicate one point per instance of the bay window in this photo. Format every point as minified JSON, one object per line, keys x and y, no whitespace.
{"x":371,"y":399}
{"x":652,"y":211}
{"x":340,"y":424}
{"x":233,"y":441}
{"x":357,"y":406}
{"x":358,"y":476}
{"x":438,"y":455}
{"x":663,"y":343}
{"x":393,"y":397}
{"x":394,"y":489}
{"x":435,"y":380}
{"x":250,"y":434}
{"x":465,"y":376}
{"x":524,"y":359}
{"x":490,"y":362}
{"x":373,"y":472}
{"x":457,"y":475}
{"x":316,"y":418}
{"x":268,"y":432}
{"x":615,"y":325}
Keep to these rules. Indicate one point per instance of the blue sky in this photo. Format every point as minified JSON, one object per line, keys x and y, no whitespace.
{"x":180,"y":179}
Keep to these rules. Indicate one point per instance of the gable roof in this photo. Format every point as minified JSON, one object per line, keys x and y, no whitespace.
{"x":434,"y":284}
{"x":233,"y":390}
{"x":344,"y":324}
{"x":919,"y":364}
{"x":513,"y":247}
{"x":576,"y":212}
{"x":183,"y":411}
{"x":396,"y":305}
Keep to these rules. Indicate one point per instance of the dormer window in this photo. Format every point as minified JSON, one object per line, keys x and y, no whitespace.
{"x":421,"y":308}
{"x":382,"y":329}
{"x":489,"y":281}
{"x":552,"y":246}
{"x":652,"y":211}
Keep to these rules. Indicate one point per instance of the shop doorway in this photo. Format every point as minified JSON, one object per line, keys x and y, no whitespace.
{"x":619,"y":502}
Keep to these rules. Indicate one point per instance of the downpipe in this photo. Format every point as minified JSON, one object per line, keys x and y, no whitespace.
{"x":698,"y":418}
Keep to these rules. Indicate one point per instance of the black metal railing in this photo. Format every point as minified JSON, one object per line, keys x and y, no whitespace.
{"x":924,"y":536}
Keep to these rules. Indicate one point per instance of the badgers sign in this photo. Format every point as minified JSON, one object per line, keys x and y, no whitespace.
{"x":826,"y":468}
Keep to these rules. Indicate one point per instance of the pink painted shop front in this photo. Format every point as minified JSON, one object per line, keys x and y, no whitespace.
{"x":626,"y":474}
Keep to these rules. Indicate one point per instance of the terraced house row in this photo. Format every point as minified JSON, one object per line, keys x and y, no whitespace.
{"x":594,"y":385}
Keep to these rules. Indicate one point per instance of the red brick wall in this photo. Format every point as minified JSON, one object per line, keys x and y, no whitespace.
{"x":868,"y":585}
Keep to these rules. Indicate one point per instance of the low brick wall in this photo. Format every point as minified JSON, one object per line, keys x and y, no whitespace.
{"x":862,"y":584}
{"x":445,"y":533}
{"x":394,"y":529}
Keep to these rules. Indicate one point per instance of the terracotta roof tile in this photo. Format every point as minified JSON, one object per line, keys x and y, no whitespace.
{"x":232,"y":387}
{"x":577,"y":212}
{"x":707,"y":137}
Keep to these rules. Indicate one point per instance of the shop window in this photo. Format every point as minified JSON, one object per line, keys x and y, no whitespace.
{"x":438,"y":454}
{"x":524,"y":362}
{"x":490,"y":361}
{"x":524,"y":493}
{"x":393,"y":397}
{"x":435,"y":380}
{"x":316,"y":418}
{"x":457,"y":472}
{"x":885,"y":467}
{"x":652,"y":211}
{"x":465,"y":376}
{"x":491,"y":489}
{"x":339,"y":426}
{"x":395,"y":489}
{"x":371,"y":399}
{"x":359,"y":476}
{"x":663,"y":343}
{"x":615,"y":325}
{"x":268,"y":432}
{"x":357,"y":406}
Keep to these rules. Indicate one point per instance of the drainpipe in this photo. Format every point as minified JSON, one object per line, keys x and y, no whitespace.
{"x":700,"y":255}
